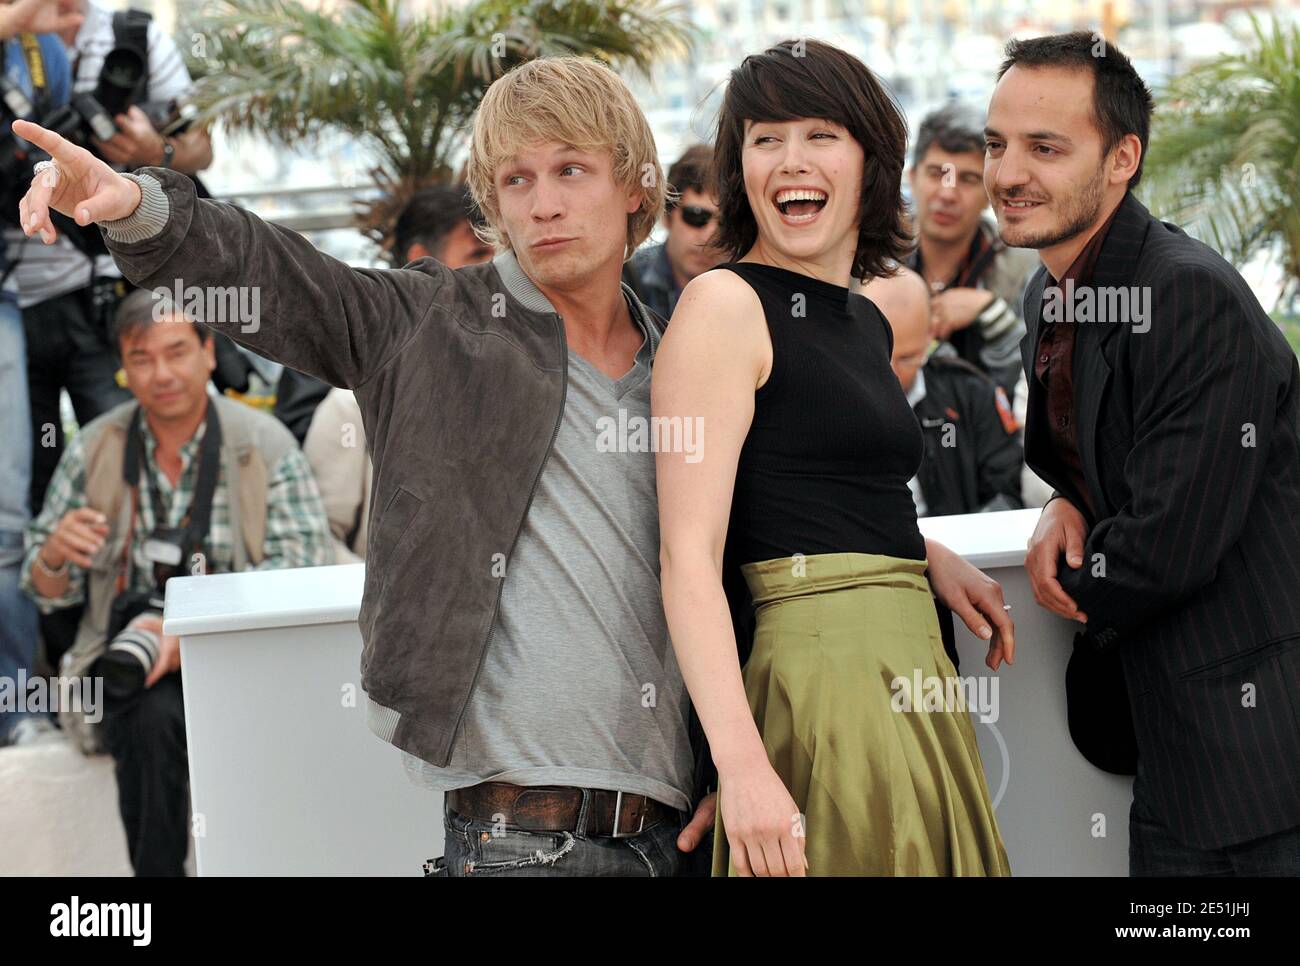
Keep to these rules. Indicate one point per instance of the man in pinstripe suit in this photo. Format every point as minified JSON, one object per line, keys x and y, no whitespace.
{"x":1165,"y":409}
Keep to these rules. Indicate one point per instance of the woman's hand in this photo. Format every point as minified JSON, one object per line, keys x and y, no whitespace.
{"x":976,"y":598}
{"x":763,"y":824}
{"x":80,"y":186}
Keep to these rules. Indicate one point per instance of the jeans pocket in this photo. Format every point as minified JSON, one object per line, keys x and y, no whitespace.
{"x":657,"y":848}
{"x":494,"y":849}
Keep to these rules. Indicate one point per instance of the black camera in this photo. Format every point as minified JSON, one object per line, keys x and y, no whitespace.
{"x":132,"y":651}
{"x":87,"y":115}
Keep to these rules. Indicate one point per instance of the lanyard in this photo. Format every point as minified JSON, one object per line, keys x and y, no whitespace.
{"x":198,"y":515}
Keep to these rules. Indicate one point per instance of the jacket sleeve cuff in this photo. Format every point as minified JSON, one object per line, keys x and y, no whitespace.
{"x":996,"y":319}
{"x":149,"y":218}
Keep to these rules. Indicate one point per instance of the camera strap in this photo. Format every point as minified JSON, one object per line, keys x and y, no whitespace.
{"x":127,"y":564}
{"x":31,"y":45}
{"x":35,"y":64}
{"x":198,"y":516}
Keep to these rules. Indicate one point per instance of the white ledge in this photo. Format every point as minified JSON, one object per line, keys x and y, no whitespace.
{"x":986,"y":540}
{"x":221,"y":603}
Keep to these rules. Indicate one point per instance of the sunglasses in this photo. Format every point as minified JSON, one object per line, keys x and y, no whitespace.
{"x":697,"y":217}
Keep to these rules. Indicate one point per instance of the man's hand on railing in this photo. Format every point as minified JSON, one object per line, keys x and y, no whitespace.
{"x":1061,"y":531}
{"x":79,"y":185}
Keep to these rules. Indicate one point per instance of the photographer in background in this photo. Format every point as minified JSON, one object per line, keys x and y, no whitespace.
{"x":975,"y":278}
{"x":68,"y":291}
{"x":25,"y":43}
{"x":218,"y":488}
{"x":658,"y":273}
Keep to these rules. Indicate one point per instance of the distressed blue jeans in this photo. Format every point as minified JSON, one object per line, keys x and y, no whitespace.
{"x":478,"y":848}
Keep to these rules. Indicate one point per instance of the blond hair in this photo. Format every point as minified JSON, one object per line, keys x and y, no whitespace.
{"x":576,"y":101}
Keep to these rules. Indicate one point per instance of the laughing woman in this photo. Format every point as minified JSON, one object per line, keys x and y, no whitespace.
{"x":802,"y":483}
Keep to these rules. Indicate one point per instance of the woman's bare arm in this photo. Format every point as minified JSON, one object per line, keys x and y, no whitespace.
{"x":716,"y":353}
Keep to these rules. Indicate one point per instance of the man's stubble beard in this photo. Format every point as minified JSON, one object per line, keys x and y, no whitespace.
{"x":1079,"y":217}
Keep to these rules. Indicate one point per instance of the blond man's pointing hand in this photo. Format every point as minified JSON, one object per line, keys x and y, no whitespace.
{"x":77,"y":184}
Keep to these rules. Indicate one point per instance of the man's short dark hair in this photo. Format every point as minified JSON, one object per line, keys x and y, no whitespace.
{"x":1121,"y":101}
{"x":693,"y":171}
{"x":144,"y":307}
{"x":956,"y":127}
{"x":430,"y":216}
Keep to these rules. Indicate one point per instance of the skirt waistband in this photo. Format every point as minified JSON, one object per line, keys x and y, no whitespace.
{"x":799,"y":575}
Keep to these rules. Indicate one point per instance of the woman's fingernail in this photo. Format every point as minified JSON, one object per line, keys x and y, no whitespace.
{"x":985,"y":633}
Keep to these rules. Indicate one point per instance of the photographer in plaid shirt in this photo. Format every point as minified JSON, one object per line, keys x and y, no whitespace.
{"x":219,"y":488}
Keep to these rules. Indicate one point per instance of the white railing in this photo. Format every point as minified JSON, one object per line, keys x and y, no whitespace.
{"x":288,"y":779}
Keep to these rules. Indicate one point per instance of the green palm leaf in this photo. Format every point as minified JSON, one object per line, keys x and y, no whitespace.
{"x":404,"y":86}
{"x":1224,"y":158}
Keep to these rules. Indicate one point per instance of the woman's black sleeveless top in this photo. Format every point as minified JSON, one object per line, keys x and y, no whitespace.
{"x":833,"y":443}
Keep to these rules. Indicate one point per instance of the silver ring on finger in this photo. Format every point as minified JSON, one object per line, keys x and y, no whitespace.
{"x":1006,"y":606}
{"x":52,"y":178}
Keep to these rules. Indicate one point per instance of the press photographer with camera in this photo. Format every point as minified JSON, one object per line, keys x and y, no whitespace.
{"x":127,"y":79}
{"x":26,"y":40}
{"x":173,"y":483}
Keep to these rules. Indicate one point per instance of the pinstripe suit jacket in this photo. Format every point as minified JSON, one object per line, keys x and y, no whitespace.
{"x":1188,"y":428}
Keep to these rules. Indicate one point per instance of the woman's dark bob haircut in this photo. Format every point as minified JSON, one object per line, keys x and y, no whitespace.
{"x":807,"y":78}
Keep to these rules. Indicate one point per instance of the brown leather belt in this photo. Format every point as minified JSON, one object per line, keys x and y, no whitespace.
{"x":549,"y":808}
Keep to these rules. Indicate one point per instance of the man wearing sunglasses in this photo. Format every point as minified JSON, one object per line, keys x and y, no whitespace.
{"x":660,"y":272}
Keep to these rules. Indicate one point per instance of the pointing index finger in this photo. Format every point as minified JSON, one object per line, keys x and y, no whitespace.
{"x":48,"y":141}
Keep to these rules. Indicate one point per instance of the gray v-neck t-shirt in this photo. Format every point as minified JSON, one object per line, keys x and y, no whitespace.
{"x":579,"y":685}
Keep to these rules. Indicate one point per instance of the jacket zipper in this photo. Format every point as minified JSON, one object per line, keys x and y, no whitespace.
{"x":559,"y":419}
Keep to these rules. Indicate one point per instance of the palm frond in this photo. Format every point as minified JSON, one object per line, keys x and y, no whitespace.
{"x":405,"y":87}
{"x":1224,"y":158}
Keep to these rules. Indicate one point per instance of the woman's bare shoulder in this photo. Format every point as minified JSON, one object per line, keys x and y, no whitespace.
{"x":720,"y":299}
{"x":719,"y":323}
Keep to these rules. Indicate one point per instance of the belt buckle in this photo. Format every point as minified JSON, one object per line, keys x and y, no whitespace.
{"x":618,"y":811}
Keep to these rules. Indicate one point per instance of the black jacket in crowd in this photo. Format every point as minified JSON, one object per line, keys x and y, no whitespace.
{"x":973,"y":454}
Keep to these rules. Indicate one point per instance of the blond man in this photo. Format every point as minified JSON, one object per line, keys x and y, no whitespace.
{"x":515,"y":643}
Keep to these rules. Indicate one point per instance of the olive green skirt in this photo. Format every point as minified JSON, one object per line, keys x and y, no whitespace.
{"x":882,"y":791}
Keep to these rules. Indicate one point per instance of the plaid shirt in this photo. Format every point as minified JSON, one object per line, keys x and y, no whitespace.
{"x":297,"y":533}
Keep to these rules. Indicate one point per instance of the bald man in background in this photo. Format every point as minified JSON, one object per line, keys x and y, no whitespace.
{"x":973,"y":454}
